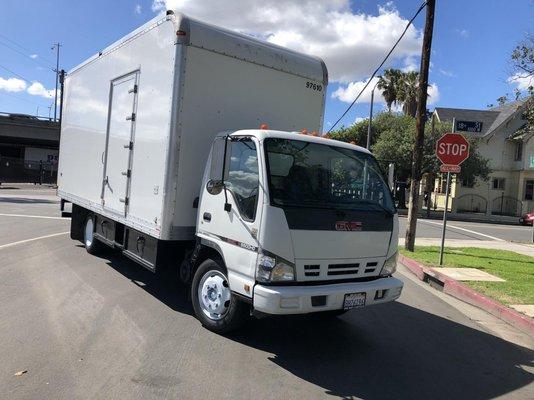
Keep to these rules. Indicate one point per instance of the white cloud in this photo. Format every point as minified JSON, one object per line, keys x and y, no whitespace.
{"x":352,"y":44}
{"x":521,"y":81}
{"x":37,"y":89}
{"x":447,"y":73}
{"x":433,"y":93}
{"x":12,"y":84}
{"x":411,"y":64}
{"x":359,"y":119}
{"x":137,"y":9}
{"x":348,"y":93}
{"x":462,"y":32}
{"x":34,"y":56}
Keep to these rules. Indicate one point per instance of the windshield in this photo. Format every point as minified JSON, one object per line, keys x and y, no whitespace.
{"x":305,"y":174}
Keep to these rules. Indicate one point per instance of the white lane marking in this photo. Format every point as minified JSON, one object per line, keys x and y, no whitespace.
{"x":32,"y":216}
{"x":463,"y":229}
{"x":32,"y":239}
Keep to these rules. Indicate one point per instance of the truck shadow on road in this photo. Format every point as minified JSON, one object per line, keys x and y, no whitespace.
{"x":163,"y":285}
{"x":392,"y":352}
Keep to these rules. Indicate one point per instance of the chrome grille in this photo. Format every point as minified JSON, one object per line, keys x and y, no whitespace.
{"x":312,"y":269}
{"x":370,"y":267}
{"x":343,"y":269}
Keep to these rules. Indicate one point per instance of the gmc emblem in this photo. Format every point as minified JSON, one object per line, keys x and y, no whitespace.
{"x":348,"y":226}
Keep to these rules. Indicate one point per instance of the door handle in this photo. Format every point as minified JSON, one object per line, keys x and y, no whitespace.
{"x":206,"y":217}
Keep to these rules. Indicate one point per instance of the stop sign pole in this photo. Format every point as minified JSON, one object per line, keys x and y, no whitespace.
{"x":452,"y":157}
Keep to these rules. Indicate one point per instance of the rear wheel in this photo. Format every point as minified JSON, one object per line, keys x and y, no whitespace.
{"x":215,"y":306}
{"x":92,"y":245}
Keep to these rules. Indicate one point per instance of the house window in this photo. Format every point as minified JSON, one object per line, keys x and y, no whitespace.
{"x":498,"y":183}
{"x":468,"y":182}
{"x":518,"y":151}
{"x":529,"y":190}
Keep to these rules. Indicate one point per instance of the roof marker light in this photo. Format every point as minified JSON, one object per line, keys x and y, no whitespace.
{"x":304,"y":132}
{"x":264,"y":126}
{"x":314,"y":133}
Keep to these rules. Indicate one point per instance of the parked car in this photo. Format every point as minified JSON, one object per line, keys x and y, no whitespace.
{"x":527,"y":219}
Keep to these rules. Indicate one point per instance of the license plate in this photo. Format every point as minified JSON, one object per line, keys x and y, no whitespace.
{"x":354,"y":300}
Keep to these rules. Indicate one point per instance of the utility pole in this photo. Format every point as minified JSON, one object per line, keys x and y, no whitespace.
{"x":413,"y":205}
{"x":56,"y":46}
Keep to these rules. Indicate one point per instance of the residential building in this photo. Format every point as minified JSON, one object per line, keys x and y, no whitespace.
{"x":510,"y":187}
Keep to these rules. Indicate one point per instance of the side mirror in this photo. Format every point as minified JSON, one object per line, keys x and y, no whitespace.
{"x":214,"y":186}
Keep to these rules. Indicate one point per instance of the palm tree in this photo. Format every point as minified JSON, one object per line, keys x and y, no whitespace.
{"x":407,"y":92}
{"x":388,"y":84}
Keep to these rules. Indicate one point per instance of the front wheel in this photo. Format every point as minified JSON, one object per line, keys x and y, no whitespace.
{"x":215,"y":306}
{"x":92,"y":245}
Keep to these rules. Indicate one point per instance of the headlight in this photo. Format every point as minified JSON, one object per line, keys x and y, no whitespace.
{"x":274,"y":269}
{"x":390,"y":266}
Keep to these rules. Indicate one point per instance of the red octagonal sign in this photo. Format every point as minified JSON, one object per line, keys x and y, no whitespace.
{"x":452,"y":149}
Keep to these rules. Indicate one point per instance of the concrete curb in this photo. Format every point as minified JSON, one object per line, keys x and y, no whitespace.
{"x":465,"y":293}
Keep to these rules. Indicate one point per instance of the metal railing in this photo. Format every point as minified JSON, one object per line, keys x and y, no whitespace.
{"x":471,"y":203}
{"x":506,"y":205}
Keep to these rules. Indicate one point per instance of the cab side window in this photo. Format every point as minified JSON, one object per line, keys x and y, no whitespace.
{"x":242,"y":176}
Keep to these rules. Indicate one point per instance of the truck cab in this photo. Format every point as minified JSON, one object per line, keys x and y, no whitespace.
{"x":294,"y":224}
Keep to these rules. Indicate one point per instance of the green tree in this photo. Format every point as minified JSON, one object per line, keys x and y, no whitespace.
{"x":407,"y":93}
{"x":522,"y":70}
{"x":388,"y":83}
{"x":393,"y":140}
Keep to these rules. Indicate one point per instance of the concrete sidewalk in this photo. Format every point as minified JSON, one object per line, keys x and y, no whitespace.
{"x":520,"y":248}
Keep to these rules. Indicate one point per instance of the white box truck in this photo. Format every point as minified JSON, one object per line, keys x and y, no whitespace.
{"x":179,"y":147}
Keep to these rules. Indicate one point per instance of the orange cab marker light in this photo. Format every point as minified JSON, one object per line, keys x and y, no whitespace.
{"x":314,"y":133}
{"x":353,"y":142}
{"x":304,"y":132}
{"x":264,"y":126}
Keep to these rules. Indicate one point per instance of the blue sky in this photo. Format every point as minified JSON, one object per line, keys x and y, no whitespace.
{"x":471,"y":47}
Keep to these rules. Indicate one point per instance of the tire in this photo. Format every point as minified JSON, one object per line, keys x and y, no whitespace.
{"x":92,"y":245}
{"x":215,"y":306}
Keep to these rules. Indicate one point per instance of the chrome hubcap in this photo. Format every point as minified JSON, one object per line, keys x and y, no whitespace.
{"x":214,"y":295}
{"x":89,"y":227}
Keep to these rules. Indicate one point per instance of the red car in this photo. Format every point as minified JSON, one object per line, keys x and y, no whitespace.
{"x":527,"y":219}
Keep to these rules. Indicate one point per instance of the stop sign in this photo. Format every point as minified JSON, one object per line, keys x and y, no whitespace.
{"x":452,"y":149}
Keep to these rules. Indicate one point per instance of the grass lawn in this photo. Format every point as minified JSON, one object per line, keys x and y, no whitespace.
{"x":516,"y":269}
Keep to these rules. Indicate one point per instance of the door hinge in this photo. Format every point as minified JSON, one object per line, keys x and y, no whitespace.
{"x":126,"y":200}
{"x":133,"y":90}
{"x":127,"y":173}
{"x":129,"y":146}
{"x":131,"y":117}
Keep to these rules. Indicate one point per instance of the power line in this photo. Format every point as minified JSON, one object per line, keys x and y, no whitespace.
{"x":26,"y":49}
{"x":14,"y":73}
{"x":380,"y":66}
{"x":36,"y":60}
{"x":20,"y":98}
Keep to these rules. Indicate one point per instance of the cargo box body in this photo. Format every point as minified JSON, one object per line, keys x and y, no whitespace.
{"x":139,"y":118}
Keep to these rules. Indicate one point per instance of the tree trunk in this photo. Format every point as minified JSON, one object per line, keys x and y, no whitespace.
{"x":413,"y":205}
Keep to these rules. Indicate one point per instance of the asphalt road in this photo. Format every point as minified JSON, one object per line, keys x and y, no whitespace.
{"x":431,"y":228}
{"x":103,"y":327}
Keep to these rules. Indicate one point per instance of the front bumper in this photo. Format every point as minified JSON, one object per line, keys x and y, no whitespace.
{"x":298,"y":299}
